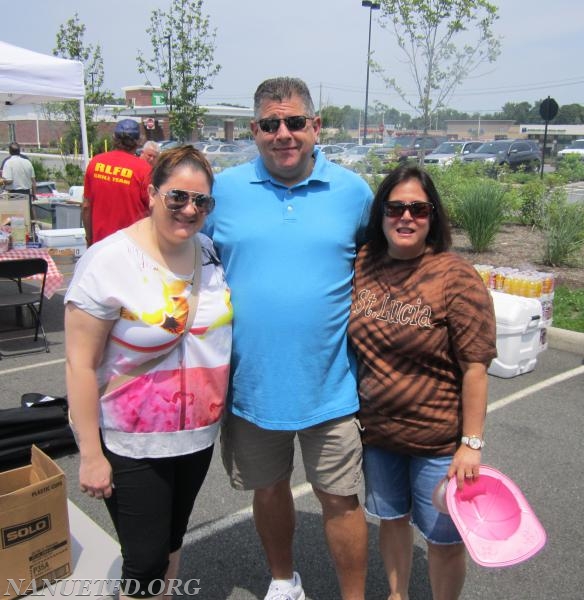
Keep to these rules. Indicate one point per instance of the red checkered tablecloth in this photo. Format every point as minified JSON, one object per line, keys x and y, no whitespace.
{"x":54,"y":276}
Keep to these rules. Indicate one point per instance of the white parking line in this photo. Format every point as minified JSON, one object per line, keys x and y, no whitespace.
{"x":537,"y":387}
{"x":235,"y":518}
{"x":302,"y":490}
{"x":35,"y":366}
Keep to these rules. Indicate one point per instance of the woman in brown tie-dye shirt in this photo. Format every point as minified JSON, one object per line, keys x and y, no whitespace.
{"x":423,"y":326}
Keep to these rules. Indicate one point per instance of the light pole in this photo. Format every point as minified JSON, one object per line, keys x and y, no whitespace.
{"x":92,"y":74}
{"x":371,"y":6}
{"x":168,"y":39}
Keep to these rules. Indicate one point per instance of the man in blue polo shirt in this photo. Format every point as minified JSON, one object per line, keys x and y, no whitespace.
{"x":287,"y":227}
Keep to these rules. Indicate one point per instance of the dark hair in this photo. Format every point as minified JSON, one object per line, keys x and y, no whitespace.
{"x":282,"y":88}
{"x":439,"y":237}
{"x":123,"y":141}
{"x":14,"y":149}
{"x":183,"y":156}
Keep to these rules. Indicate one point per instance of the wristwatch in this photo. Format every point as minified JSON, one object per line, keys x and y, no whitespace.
{"x":472,"y":441}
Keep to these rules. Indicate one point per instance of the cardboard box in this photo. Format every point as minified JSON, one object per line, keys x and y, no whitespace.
{"x":14,"y":207}
{"x":34,"y":525}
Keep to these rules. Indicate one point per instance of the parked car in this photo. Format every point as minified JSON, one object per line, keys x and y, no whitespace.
{"x":447,"y":152}
{"x":515,"y":154}
{"x":405,"y":147}
{"x":221,"y":156}
{"x":358,"y":158}
{"x":347,"y":145}
{"x":214,"y":149}
{"x":164,"y":145}
{"x":575,"y":148}
{"x":332,"y":151}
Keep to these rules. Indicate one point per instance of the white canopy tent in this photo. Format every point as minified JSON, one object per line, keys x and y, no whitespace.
{"x":28,"y":77}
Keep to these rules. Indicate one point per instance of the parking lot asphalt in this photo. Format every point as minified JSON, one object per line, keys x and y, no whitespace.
{"x":534,"y":435}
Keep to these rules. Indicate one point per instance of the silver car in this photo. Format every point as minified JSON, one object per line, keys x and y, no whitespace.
{"x":447,"y":152}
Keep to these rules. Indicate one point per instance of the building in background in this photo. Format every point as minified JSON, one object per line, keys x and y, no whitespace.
{"x":34,"y":127}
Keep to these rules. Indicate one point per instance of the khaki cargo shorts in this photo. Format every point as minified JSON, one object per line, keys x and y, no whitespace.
{"x":257,"y":458}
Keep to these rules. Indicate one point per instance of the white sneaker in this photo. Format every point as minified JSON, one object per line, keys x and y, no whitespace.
{"x":282,"y":590}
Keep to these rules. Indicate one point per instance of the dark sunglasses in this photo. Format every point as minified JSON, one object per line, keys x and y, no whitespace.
{"x":418,"y":209}
{"x":272,"y":125}
{"x":176,"y":200}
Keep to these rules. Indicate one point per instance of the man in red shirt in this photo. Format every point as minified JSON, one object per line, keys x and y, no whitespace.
{"x":116,"y":183}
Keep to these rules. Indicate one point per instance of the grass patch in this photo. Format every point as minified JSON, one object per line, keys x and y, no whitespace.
{"x":569,"y":309}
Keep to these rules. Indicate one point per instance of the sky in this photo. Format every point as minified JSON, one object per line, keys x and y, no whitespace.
{"x":324,"y":42}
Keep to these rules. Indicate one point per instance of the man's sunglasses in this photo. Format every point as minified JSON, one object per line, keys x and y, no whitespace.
{"x":418,"y":209}
{"x":272,"y":125}
{"x":176,"y":200}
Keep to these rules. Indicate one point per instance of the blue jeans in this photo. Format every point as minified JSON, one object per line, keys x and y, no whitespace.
{"x":397,"y":485}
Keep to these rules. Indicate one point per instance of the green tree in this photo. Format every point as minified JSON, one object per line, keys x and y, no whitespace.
{"x":443,"y":41}
{"x":570,"y":114}
{"x":390,"y":116}
{"x":70,"y":44}
{"x":519,"y":112}
{"x":332,"y":116}
{"x":183,"y":48}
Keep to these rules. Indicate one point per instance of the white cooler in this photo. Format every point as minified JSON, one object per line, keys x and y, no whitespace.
{"x":519,"y":333}
{"x":63,"y":243}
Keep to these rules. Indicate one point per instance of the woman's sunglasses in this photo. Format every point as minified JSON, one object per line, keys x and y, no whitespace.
{"x":418,"y":209}
{"x":176,"y":200}
{"x":272,"y":125}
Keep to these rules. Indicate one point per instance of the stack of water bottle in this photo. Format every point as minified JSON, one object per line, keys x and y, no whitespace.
{"x":522,"y":282}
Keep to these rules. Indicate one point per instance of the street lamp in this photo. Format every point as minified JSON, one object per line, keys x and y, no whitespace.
{"x":168,"y":39}
{"x":371,"y":6}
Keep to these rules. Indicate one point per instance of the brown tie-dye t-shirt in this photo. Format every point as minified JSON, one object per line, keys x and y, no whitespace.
{"x":411,"y":323}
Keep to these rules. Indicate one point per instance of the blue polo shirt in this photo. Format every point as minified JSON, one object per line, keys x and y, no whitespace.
{"x":288,"y":255}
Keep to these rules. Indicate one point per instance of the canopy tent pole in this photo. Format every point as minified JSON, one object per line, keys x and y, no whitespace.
{"x":83,"y":124}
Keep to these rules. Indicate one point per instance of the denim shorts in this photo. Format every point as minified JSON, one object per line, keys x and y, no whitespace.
{"x":397,"y":485}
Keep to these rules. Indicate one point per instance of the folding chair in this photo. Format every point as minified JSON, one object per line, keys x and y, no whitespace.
{"x":15,"y":296}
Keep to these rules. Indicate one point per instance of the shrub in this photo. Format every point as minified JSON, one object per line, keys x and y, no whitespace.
{"x":453,"y":181}
{"x":40,"y":172}
{"x":571,"y":168}
{"x":73,"y":174}
{"x":481,"y":212}
{"x":532,"y":195}
{"x":563,"y":227}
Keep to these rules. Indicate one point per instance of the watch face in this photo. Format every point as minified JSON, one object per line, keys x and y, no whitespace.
{"x":475,"y":443}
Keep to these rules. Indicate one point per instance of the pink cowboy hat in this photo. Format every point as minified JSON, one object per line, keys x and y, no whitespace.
{"x":495,"y":521}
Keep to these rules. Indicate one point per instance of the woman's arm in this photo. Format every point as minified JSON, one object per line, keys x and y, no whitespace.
{"x":85,"y":340}
{"x":466,"y":461}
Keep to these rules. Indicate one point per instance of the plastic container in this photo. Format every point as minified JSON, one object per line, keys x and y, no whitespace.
{"x":519,"y":322}
{"x":62,"y":238}
{"x":498,"y":526}
{"x":4,"y":241}
{"x":64,"y":245}
{"x":18,"y":232}
{"x":67,"y":216}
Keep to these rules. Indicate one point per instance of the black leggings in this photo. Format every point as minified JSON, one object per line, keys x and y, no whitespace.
{"x":150,"y":507}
